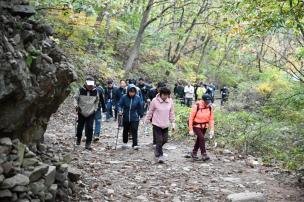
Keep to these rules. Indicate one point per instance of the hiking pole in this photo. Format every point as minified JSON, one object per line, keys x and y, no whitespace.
{"x":146,"y":125}
{"x":119,"y":124}
{"x":75,"y":135}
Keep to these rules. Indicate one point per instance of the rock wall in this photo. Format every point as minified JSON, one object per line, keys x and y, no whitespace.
{"x":35,"y":175}
{"x":34,"y":73}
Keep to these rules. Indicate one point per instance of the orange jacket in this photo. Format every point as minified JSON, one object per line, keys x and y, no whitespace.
{"x":204,"y":116}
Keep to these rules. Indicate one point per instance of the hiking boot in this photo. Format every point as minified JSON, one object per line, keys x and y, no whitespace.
{"x":88,"y":147}
{"x":161,"y":159}
{"x":194,"y":156}
{"x":136,"y":147}
{"x":205,"y":157}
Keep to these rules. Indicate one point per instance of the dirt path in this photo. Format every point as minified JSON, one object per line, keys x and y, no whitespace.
{"x":128,"y":175}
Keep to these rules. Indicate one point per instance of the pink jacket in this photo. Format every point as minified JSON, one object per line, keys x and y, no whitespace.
{"x":161,"y":112}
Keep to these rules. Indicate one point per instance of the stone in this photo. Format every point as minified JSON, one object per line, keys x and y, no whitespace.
{"x":1,"y":178}
{"x":63,"y":168}
{"x":23,"y":200}
{"x":47,"y":58}
{"x":17,"y":38}
{"x":37,"y":187}
{"x":6,"y":141}
{"x":5,"y":193}
{"x":29,"y":162}
{"x":61,"y":177}
{"x":29,"y":154}
{"x":8,"y":168}
{"x":48,"y":30}
{"x":53,"y":189}
{"x":1,"y":170}
{"x":5,"y":149}
{"x":23,"y":10}
{"x":20,"y":188}
{"x":50,"y":176}
{"x":18,"y":179}
{"x":141,"y":198}
{"x":42,"y":147}
{"x":74,"y":174}
{"x":232,"y":179}
{"x":38,"y":172}
{"x":246,"y":197}
{"x":49,"y":197}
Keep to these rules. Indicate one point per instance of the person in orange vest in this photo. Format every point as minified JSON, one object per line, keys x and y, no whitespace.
{"x":201,"y":118}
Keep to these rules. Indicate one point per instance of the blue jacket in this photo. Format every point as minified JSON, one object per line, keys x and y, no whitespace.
{"x":132,"y":107}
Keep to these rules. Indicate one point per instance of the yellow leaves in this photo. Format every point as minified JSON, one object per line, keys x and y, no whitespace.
{"x":265,"y":88}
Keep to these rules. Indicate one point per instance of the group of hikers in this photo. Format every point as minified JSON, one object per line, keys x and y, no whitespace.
{"x":186,"y":94}
{"x":131,"y":101}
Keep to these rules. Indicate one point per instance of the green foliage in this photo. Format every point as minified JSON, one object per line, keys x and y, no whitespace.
{"x":181,"y":114}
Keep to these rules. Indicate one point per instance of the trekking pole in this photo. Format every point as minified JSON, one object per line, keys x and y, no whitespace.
{"x":75,"y":135}
{"x":119,"y":124}
{"x":146,"y":125}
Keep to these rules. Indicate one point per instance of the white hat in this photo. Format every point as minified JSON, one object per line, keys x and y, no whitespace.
{"x":90,"y":82}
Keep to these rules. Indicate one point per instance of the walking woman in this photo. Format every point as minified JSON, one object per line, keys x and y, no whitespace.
{"x":161,"y":114}
{"x":131,"y":107}
{"x":201,"y":117}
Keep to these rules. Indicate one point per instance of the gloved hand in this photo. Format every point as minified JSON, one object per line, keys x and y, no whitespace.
{"x":191,"y":133}
{"x":211,"y":133}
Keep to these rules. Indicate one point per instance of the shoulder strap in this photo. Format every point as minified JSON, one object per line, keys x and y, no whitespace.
{"x":197,"y":108}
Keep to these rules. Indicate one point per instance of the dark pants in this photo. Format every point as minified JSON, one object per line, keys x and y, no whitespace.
{"x":200,"y":140}
{"x":189,"y":102}
{"x":88,"y":123}
{"x":161,"y":138}
{"x":133,"y":128}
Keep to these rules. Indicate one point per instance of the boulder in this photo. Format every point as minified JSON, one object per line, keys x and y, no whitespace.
{"x":74,"y":174}
{"x":38,"y":172}
{"x":23,"y":10}
{"x":50,"y":176}
{"x":37,"y":187}
{"x":32,"y":87}
{"x":18,"y":179}
{"x":29,"y":162}
{"x":6,"y":193}
{"x":246,"y":197}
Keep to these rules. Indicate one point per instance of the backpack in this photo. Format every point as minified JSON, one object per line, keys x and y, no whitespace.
{"x":197,"y":109}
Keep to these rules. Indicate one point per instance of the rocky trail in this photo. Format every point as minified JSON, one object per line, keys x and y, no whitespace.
{"x":128,"y":175}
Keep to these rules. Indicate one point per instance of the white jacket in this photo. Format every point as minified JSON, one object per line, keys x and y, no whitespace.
{"x":189,"y":92}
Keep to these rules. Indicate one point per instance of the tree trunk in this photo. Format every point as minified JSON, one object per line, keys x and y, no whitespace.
{"x":143,"y":24}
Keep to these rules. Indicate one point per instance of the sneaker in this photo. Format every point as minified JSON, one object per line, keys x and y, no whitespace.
{"x":161,"y":159}
{"x":88,"y":147}
{"x":136,"y":147}
{"x":205,"y":157}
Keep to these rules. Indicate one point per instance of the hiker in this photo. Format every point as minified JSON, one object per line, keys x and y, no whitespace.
{"x":179,"y":93}
{"x":201,"y":117}
{"x":152,"y":94}
{"x":122,"y":90}
{"x":154,"y":91}
{"x":138,"y":91}
{"x":189,"y":94}
{"x":130,"y":107}
{"x":224,"y":94}
{"x":110,"y":100}
{"x":200,"y":91}
{"x":209,"y":91}
{"x":101,"y":105}
{"x":144,"y":88}
{"x":161,"y":114}
{"x":86,"y":104}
